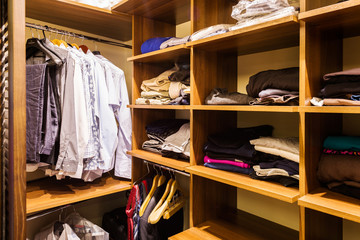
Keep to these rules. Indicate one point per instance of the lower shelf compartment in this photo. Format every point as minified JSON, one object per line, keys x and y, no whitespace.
{"x":326,"y":201}
{"x":49,"y":193}
{"x":238,"y":180}
{"x":243,"y":226}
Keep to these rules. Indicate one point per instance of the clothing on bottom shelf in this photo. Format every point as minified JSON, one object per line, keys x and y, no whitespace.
{"x":174,"y":41}
{"x":230,"y":168}
{"x":222,"y":161}
{"x":210,"y":31}
{"x":221,"y":96}
{"x":342,"y":143}
{"x":333,"y":102}
{"x":153,"y":44}
{"x":289,"y":100}
{"x":283,"y":180}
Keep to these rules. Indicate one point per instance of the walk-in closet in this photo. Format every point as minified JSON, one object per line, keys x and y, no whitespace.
{"x":180,"y":119}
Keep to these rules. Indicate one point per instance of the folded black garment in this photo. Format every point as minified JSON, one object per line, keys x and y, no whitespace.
{"x":336,"y":89}
{"x":161,"y":129}
{"x":290,"y":166}
{"x":228,"y":167}
{"x":174,"y":155}
{"x":347,"y":190}
{"x":245,"y":151}
{"x":286,"y":79}
{"x":236,"y":137}
{"x":255,"y":160}
{"x":283,"y":180}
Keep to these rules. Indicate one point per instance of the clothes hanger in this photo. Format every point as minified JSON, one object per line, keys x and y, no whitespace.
{"x":150,"y":194}
{"x":34,"y":45}
{"x":156,"y":214}
{"x":145,"y":176}
{"x":179,"y":204}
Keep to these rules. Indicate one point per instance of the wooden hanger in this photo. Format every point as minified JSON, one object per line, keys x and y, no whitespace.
{"x":75,"y":45}
{"x":149,"y":196}
{"x":156,"y":214}
{"x":176,"y":207}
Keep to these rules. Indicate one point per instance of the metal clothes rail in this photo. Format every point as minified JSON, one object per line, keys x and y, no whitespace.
{"x":167,"y":168}
{"x":72,"y":34}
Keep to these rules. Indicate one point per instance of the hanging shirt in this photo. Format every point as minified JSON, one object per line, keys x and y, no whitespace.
{"x":49,"y":234}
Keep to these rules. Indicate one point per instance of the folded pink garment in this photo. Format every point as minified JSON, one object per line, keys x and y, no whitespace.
{"x":238,"y":164}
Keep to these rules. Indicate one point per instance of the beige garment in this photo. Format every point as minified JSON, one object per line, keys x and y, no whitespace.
{"x":273,"y":172}
{"x":155,"y":94}
{"x":145,"y":101}
{"x":175,"y":89}
{"x":286,"y":144}
{"x":277,"y":152}
{"x":159,"y":83}
{"x":340,"y":102}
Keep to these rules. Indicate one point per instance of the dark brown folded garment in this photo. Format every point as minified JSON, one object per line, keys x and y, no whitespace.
{"x":336,"y":89}
{"x":338,"y":168}
{"x":352,"y":75}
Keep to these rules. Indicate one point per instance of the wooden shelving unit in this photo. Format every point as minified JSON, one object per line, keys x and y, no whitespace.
{"x":242,"y":181}
{"x":157,"y":158}
{"x":279,"y":33}
{"x":174,"y":53}
{"x":82,"y":17}
{"x":49,"y":193}
{"x":330,"y":109}
{"x":169,"y":107}
{"x":324,"y":200}
{"x":173,"y":11}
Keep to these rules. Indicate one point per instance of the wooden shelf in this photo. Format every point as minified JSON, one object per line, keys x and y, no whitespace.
{"x":173,"y":54}
{"x":170,"y":11}
{"x":157,"y":158}
{"x":332,"y":203}
{"x":246,"y":108}
{"x":170,"y":107}
{"x":49,"y":193}
{"x":276,"y":34}
{"x":330,"y":109}
{"x":238,"y":180}
{"x":80,"y":16}
{"x":247,"y":227}
{"x":343,"y":15}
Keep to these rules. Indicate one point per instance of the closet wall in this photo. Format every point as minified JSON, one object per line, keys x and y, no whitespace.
{"x":92,"y":209}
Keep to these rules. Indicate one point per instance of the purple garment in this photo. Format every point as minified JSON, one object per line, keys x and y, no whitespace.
{"x":290,"y":166}
{"x":153,"y":44}
{"x":35,"y":78}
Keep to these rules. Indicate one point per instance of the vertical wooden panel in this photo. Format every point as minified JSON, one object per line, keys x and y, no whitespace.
{"x":17,"y":106}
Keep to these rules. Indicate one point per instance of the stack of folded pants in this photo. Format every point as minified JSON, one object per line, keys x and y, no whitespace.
{"x":169,"y":137}
{"x":232,"y":151}
{"x":170,"y":87}
{"x":221,"y":96}
{"x":340,"y":89}
{"x":275,"y":87}
{"x":339,"y":165}
{"x":283,"y":169}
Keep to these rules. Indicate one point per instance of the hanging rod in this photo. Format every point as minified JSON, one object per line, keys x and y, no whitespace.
{"x":47,"y":212}
{"x":72,"y":34}
{"x":168,"y":168}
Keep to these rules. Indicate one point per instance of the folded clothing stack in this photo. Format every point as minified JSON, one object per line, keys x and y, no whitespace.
{"x":251,"y":12}
{"x":170,"y":87}
{"x":275,"y":87}
{"x":340,"y":89}
{"x":232,"y":151}
{"x":285,"y":168}
{"x":169,"y":137}
{"x":339,"y":165}
{"x":221,"y":96}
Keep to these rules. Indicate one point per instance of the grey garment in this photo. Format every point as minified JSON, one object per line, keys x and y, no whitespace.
{"x":221,"y":96}
{"x":152,"y":145}
{"x":35,"y":78}
{"x":271,"y":91}
{"x":179,"y":142}
{"x":174,"y":41}
{"x":292,"y":100}
{"x":51,"y":121}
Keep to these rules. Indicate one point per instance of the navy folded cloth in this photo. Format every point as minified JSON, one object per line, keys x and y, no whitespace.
{"x":153,"y":44}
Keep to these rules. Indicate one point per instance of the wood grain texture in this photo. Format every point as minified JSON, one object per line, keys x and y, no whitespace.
{"x":246,"y":108}
{"x":49,"y":193}
{"x":330,"y":109}
{"x":319,"y":225}
{"x":272,"y":35}
{"x":243,"y":227}
{"x":332,"y":203}
{"x":174,"y":54}
{"x":169,"y":107}
{"x":82,"y":17}
{"x":17,"y":120}
{"x":157,"y":158}
{"x":170,"y":11}
{"x":269,"y":189}
{"x":307,"y":5}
